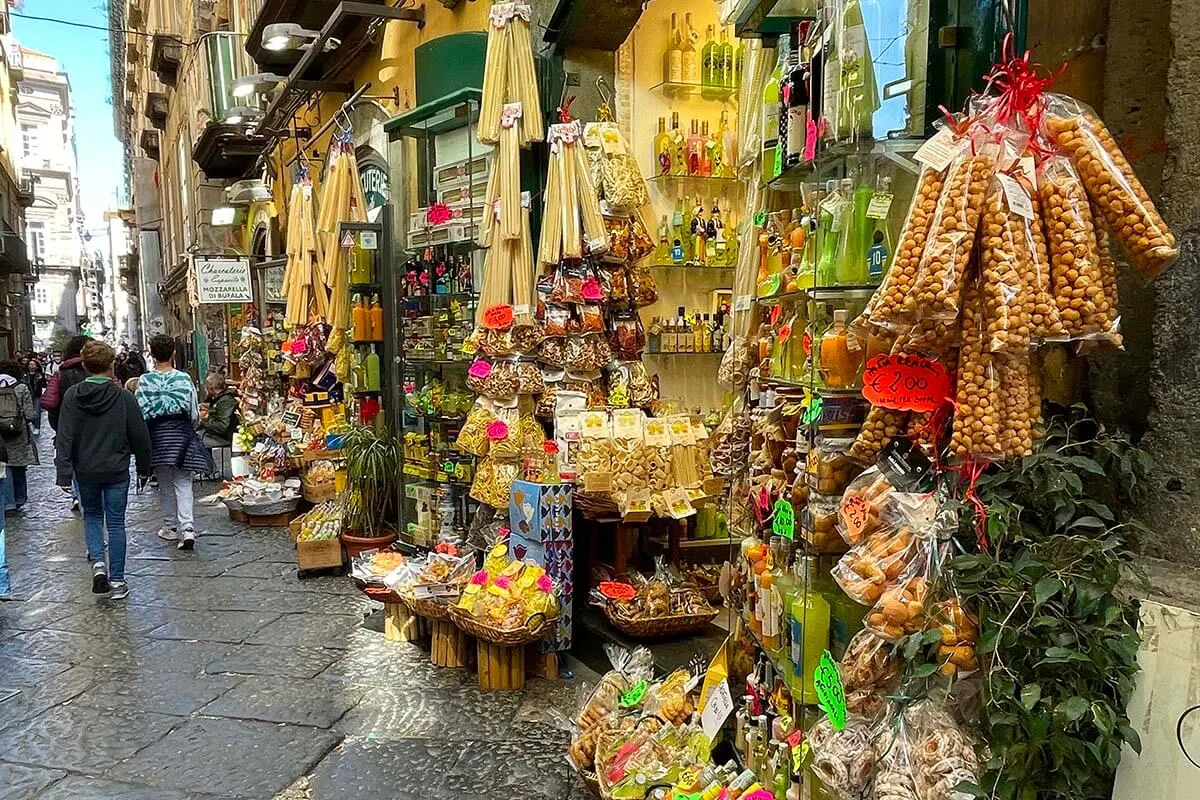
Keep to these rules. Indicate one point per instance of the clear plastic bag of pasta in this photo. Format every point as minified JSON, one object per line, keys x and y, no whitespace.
{"x":736,"y":363}
{"x":557,"y":321}
{"x":533,"y":438}
{"x":503,"y":381}
{"x":529,"y":378}
{"x":552,"y":380}
{"x":628,"y":338}
{"x":553,"y":352}
{"x":642,"y":288}
{"x":643,"y":390}
{"x":618,"y":385}
{"x":589,"y":352}
{"x":595,"y":443}
{"x":504,"y":432}
{"x":493,"y":480}
{"x":614,"y":282}
{"x":473,"y":436}
{"x":1112,"y":184}
{"x":626,"y":449}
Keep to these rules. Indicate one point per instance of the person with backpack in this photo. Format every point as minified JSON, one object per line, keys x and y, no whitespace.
{"x":17,"y":413}
{"x":69,"y":373}
{"x":99,"y":429}
{"x":167,"y":399}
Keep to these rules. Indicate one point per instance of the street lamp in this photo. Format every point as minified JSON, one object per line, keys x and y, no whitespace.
{"x":258,"y":83}
{"x":280,"y":36}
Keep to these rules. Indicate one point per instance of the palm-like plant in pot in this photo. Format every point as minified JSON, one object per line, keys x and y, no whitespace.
{"x":373,"y":462}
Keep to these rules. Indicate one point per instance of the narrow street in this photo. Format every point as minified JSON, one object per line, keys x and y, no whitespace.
{"x":224,"y":675}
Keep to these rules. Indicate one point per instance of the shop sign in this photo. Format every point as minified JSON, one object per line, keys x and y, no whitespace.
{"x":906,"y":382}
{"x":223,"y":280}
{"x":374,"y":182}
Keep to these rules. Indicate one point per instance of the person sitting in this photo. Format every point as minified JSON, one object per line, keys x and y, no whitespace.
{"x":219,"y":414}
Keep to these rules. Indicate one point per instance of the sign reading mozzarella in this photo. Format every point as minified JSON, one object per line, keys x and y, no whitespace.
{"x":223,"y":280}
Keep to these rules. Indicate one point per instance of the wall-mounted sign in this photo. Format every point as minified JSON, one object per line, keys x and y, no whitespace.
{"x":374,"y":181}
{"x":223,"y":280}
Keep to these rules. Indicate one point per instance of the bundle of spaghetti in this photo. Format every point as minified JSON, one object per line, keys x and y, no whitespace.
{"x":491,"y":199}
{"x":497,"y":282}
{"x":594,"y":233}
{"x":348,"y":205}
{"x":299,"y":275}
{"x":508,"y":184}
{"x":524,"y":301}
{"x":572,"y":236}
{"x":550,"y":242}
{"x":508,"y":74}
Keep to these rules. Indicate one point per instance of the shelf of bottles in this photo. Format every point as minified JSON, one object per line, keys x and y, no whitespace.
{"x":435,"y":284}
{"x":370,"y":318}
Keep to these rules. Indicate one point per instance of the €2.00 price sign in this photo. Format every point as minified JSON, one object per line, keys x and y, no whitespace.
{"x":906,"y":382}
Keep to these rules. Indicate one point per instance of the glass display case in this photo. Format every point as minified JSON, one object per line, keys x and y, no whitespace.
{"x":368,"y":247}
{"x":439,"y":171}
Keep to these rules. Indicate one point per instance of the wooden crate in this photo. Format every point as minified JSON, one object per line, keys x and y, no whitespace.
{"x":238,"y":516}
{"x":318,"y":555}
{"x":294,"y":528}
{"x":500,"y":668}
{"x":282,"y":520}
{"x":450,"y":647}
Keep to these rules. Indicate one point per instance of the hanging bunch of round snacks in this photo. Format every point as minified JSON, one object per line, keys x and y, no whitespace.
{"x":1006,"y":261}
{"x":1074,"y":254}
{"x":889,"y":309}
{"x":976,"y":417}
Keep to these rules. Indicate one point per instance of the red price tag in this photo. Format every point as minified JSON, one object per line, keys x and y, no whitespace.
{"x":806,"y":343}
{"x":855,"y":513}
{"x":498,"y":317}
{"x":776,"y":310}
{"x":906,"y":383}
{"x":785,"y":333}
{"x":615,"y":590}
{"x":497,"y":430}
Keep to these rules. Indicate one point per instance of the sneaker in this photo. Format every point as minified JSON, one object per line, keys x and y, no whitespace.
{"x":167,"y":535}
{"x":74,"y":506}
{"x":187,"y":540}
{"x":99,"y":578}
{"x":120,"y":590}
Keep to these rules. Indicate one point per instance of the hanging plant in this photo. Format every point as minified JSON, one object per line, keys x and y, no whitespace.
{"x":1058,"y":638}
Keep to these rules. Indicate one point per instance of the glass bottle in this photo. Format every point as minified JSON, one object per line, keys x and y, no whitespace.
{"x":851,"y":268}
{"x":682,"y":234}
{"x":375,"y":317}
{"x":662,"y":148}
{"x":691,"y":58}
{"x":654,"y":336}
{"x":673,"y":57}
{"x":668,"y":339}
{"x":695,"y":149}
{"x":362,"y":263}
{"x":372,"y":370}
{"x":662,"y":254}
{"x":698,"y":335}
{"x":710,"y":56}
{"x":678,"y":147}
{"x":839,"y":365}
{"x":739,"y":57}
{"x":857,"y":98}
{"x":770,"y":118}
{"x":797,"y":112}
{"x":728,"y":70}
{"x":715,"y":236}
{"x":720,"y":148}
{"x":782,"y":110}
{"x":706,"y":148}
{"x":880,"y":250}
{"x":827,"y":240}
{"x":359,"y":320}
{"x":810,"y":630}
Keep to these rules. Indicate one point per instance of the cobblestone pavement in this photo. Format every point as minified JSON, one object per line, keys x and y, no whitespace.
{"x":224,"y":675}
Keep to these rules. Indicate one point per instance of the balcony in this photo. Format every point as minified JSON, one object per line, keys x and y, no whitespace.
{"x":310,"y":14}
{"x":135,"y":15}
{"x":223,"y":147}
{"x":156,"y":109}
{"x":150,"y":143}
{"x":165,"y":54}
{"x":25,"y":193}
{"x":14,"y":259}
{"x":133,"y":50}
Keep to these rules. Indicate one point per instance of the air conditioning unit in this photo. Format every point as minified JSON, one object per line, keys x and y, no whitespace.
{"x":248,"y":191}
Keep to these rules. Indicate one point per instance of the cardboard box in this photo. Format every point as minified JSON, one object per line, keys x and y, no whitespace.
{"x":324,"y":554}
{"x":540,"y":519}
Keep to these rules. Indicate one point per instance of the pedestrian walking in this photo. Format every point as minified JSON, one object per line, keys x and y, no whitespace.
{"x":5,"y":585}
{"x":17,"y":414}
{"x":167,"y":399}
{"x":69,"y":373}
{"x":35,"y":379}
{"x":100,"y":426}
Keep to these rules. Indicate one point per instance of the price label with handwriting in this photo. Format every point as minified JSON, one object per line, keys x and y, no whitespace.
{"x":856,"y":512}
{"x":906,"y":382}
{"x":498,"y":317}
{"x":784,"y":522}
{"x":831,"y":697}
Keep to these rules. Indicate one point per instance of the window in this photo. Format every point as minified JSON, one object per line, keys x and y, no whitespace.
{"x":41,"y":295}
{"x":35,"y":239}
{"x":31,"y":145}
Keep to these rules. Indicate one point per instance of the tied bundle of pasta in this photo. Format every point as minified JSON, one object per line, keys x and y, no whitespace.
{"x":305,"y":290}
{"x":508,"y":271}
{"x":509,"y":76}
{"x":571,"y":220}
{"x":341,"y":201}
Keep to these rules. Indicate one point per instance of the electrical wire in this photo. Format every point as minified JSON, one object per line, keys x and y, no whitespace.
{"x":108,"y":29}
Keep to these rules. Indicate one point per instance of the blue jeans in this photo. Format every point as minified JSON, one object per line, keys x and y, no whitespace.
{"x":103,"y":507}
{"x":16,"y":488}
{"x":5,"y":588}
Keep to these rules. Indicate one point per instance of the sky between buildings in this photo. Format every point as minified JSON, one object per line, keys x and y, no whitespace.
{"x":83,"y":54}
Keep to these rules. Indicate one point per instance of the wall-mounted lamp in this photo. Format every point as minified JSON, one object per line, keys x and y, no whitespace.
{"x":239,"y":114}
{"x":258,"y":83}
{"x":280,"y":36}
{"x":223,"y":215}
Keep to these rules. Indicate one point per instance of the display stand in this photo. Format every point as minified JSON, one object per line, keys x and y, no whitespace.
{"x":451,"y":646}
{"x":401,"y":625}
{"x":501,"y":668}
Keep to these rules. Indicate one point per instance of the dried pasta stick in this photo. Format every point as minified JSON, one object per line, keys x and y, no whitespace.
{"x":495,"y":74}
{"x":572,"y":246}
{"x":550,"y":243}
{"x":524,"y":301}
{"x":509,"y":182}
{"x":491,"y":199}
{"x":522,"y":76}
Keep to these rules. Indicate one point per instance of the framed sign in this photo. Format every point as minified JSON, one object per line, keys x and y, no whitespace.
{"x":223,"y":280}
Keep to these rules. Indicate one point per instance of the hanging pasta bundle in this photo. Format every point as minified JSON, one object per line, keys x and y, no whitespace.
{"x":341,"y":201}
{"x":299,"y":280}
{"x":508,"y":185}
{"x":572,"y":218}
{"x":508,"y":74}
{"x":524,"y":300}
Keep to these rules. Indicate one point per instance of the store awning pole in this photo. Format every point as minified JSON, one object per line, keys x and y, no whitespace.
{"x":351,"y":100}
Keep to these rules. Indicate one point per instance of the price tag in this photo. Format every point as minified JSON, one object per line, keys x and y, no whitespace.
{"x":881,"y":203}
{"x":521,"y":309}
{"x":784,"y":522}
{"x":906,"y":383}
{"x":717,"y":709}
{"x":634,"y":696}
{"x":855,"y":514}
{"x":938,"y":151}
{"x":758,"y":794}
{"x":1029,"y":169}
{"x":831,"y":697}
{"x":498,"y":317}
{"x":1016,"y":196}
{"x":785,"y":333}
{"x":497,"y":429}
{"x":291,"y":418}
{"x":479,"y":369}
{"x":760,"y":218}
{"x":742,"y":302}
{"x":800,"y":748}
{"x":812,"y":414}
{"x":615,"y":590}
{"x":776,"y":312}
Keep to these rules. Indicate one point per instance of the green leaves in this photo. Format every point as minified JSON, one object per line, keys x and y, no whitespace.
{"x":1046,"y":588}
{"x":1072,"y":708}
{"x":1030,"y":696}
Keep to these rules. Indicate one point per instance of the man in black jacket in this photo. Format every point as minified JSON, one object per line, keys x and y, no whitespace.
{"x":99,"y":427}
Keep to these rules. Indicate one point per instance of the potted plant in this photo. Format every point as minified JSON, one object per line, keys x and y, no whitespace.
{"x":373,"y":462}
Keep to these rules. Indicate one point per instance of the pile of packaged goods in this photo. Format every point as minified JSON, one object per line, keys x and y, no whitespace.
{"x":636,"y":606}
{"x":322,"y":522}
{"x":508,"y":594}
{"x":435,"y":576}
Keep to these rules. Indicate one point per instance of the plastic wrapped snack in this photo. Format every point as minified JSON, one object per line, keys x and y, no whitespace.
{"x":945,"y":755}
{"x":657,"y":451}
{"x":502,"y":381}
{"x":936,"y":294}
{"x":888,"y":310}
{"x":529,"y":378}
{"x":1111,"y":336}
{"x":735,"y":366}
{"x":493,"y":480}
{"x":595,"y":444}
{"x":1006,"y":262}
{"x":864,"y":505}
{"x":977,"y":427}
{"x":843,"y":760}
{"x":504,"y":431}
{"x":900,"y":609}
{"x":959,"y":631}
{"x":628,"y":460}
{"x":1074,"y":253}
{"x":1112,"y":184}
{"x":830,"y":466}
{"x":629,"y":668}
{"x":880,"y":427}
{"x":1016,"y":421}
{"x":869,"y":670}
{"x":472,"y":436}
{"x":819,"y":522}
{"x":642,"y":289}
{"x":553,"y":352}
{"x":895,"y":764}
{"x":887,"y":557}
{"x":556,"y":320}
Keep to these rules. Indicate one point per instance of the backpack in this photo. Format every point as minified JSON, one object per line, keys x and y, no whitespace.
{"x":12,"y":421}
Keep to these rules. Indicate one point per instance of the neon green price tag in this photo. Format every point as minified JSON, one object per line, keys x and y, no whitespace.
{"x":813,"y":412}
{"x":784,"y":522}
{"x":634,"y":696}
{"x":831,"y":697}
{"x":760,"y":218}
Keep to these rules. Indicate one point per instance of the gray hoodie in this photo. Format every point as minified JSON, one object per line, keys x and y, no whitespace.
{"x":99,"y":427}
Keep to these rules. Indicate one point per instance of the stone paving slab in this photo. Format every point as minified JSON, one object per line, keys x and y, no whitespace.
{"x":83,"y":739}
{"x":314,"y":702}
{"x":77,"y":787}
{"x":214,"y":626}
{"x":363,"y":767}
{"x":269,"y":659}
{"x":237,"y":758}
{"x":163,"y":691}
{"x":31,"y":700}
{"x":309,"y":630}
{"x":18,"y":782}
{"x":417,"y":713}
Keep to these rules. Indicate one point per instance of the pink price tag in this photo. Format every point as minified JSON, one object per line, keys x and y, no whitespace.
{"x":299,"y":346}
{"x":758,"y":794}
{"x":497,"y":430}
{"x":479,"y":369}
{"x":810,"y":140}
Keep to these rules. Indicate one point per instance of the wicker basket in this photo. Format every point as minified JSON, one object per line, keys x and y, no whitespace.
{"x":596,"y":506}
{"x":318,"y":492}
{"x":430,"y":609}
{"x":273,"y":508}
{"x":535,"y":628}
{"x":658,"y":627}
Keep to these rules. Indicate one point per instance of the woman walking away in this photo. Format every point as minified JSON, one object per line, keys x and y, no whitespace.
{"x":5,"y":586}
{"x":16,"y":414}
{"x":167,"y":400}
{"x":35,"y":379}
{"x":99,"y":427}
